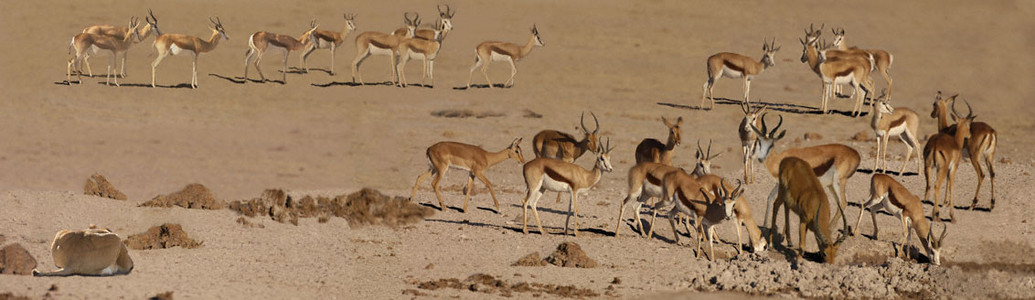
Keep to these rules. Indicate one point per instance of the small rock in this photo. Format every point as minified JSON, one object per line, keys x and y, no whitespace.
{"x":163,"y":296}
{"x":616,"y":281}
{"x":1005,"y":160}
{"x":812,"y":136}
{"x":14,"y":259}
{"x":863,"y":136}
{"x":429,"y":267}
{"x":53,"y":287}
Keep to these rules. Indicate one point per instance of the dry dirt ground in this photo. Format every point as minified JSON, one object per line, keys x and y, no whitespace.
{"x":630,"y":62}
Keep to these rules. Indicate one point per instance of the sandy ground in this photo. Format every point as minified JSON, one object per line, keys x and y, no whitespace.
{"x":317,"y":135}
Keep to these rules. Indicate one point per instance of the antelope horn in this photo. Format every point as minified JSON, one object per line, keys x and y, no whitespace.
{"x":970,"y":111}
{"x":582,"y":121}
{"x":149,"y":12}
{"x":450,"y":11}
{"x":440,"y":12}
{"x":765,"y":129}
{"x":778,"y":124}
{"x":700,"y":153}
{"x":597,"y":127}
{"x":745,"y":106}
{"x":219,"y":22}
{"x":709,"y":153}
{"x":945,"y":229}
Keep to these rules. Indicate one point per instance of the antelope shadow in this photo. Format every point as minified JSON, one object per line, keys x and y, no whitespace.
{"x":781,"y":107}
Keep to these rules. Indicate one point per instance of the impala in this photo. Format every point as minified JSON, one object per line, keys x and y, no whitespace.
{"x":119,"y":33}
{"x":176,"y":44}
{"x":260,"y":41}
{"x":438,"y":31}
{"x":88,"y":252}
{"x":686,"y":195}
{"x":803,"y":194}
{"x":502,"y":51}
{"x":379,"y":43}
{"x":882,"y":59}
{"x":654,"y":151}
{"x":852,"y":69}
{"x":889,"y":194}
{"x":733,"y":65}
{"x":564,"y":146}
{"x":941,"y":158}
{"x":327,"y":39}
{"x":425,"y":50}
{"x":748,"y":138}
{"x":901,"y":122}
{"x":84,"y":42}
{"x":474,"y":159}
{"x":980,"y":146}
{"x":542,"y":174}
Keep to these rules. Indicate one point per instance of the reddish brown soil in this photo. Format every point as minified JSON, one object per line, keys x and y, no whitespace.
{"x":194,"y":195}
{"x":161,"y":237}
{"x":99,"y":186}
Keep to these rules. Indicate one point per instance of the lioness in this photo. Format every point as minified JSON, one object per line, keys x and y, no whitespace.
{"x":94,"y":251}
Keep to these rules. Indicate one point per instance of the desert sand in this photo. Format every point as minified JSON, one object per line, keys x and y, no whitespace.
{"x":630,"y":62}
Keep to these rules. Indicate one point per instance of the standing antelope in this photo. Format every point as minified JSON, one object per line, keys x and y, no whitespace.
{"x":438,"y":31}
{"x":733,"y":65}
{"x":564,"y":146}
{"x":654,"y":151}
{"x":686,"y":195}
{"x":119,"y":33}
{"x":802,"y":192}
{"x":721,"y":190}
{"x":704,"y":160}
{"x":542,"y":174}
{"x":980,"y":146}
{"x":259,"y":41}
{"x":176,"y":44}
{"x":425,"y":50}
{"x":942,"y":156}
{"x":85,"y":42}
{"x":379,"y":43}
{"x":327,"y":39}
{"x":882,"y":59}
{"x":502,"y":51}
{"x":644,"y":183}
{"x":896,"y":199}
{"x":901,"y":122}
{"x":748,"y":138}
{"x":474,"y":159}
{"x":851,"y":69}
{"x":88,"y":252}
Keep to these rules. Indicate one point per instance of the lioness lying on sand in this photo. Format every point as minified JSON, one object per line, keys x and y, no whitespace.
{"x":89,"y":252}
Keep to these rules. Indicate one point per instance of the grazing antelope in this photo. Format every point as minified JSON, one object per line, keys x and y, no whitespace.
{"x":564,"y":146}
{"x":942,"y":156}
{"x":686,"y":195}
{"x":882,"y":59}
{"x":327,"y":39}
{"x":119,"y":33}
{"x":733,"y":65}
{"x":88,"y":252}
{"x":474,"y":159}
{"x":980,"y":146}
{"x":802,"y":193}
{"x":259,"y":41}
{"x":502,"y":51}
{"x":644,"y":183}
{"x":379,"y":43}
{"x":654,"y":151}
{"x":851,"y":69}
{"x":833,"y":163}
{"x":438,"y":31}
{"x":85,"y":42}
{"x":542,"y":174}
{"x":176,"y":44}
{"x":748,"y":138}
{"x":425,"y":50}
{"x":901,"y":122}
{"x":889,"y":194}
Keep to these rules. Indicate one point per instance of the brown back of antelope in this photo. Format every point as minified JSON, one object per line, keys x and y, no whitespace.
{"x":882,"y":59}
{"x":88,"y":252}
{"x":489,"y":51}
{"x":730,"y":194}
{"x":852,"y":69}
{"x":563,"y":146}
{"x":653,"y":150}
{"x":474,"y":159}
{"x":644,"y":183}
{"x":800,"y":190}
{"x":379,"y":43}
{"x":735,"y":65}
{"x":548,"y":174}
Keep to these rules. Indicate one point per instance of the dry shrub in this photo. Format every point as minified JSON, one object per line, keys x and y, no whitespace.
{"x":161,"y":237}
{"x":365,"y":207}
{"x":99,"y":186}
{"x":15,"y":260}
{"x":570,"y":254}
{"x":531,"y":260}
{"x":488,"y":284}
{"x":194,"y":195}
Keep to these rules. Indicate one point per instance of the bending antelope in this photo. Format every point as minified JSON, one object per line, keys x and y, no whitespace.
{"x":542,"y":174}
{"x":941,"y":158}
{"x":564,"y":146}
{"x":119,"y":33}
{"x":889,"y":194}
{"x":644,"y":183}
{"x":502,"y":51}
{"x":654,"y":151}
{"x":802,"y":192}
{"x":980,"y":146}
{"x":733,"y":65}
{"x":327,"y":39}
{"x":686,"y":195}
{"x":378,"y":43}
{"x":438,"y":31}
{"x":259,"y":41}
{"x":722,"y":191}
{"x":85,"y":42}
{"x":852,"y":69}
{"x":901,"y":122}
{"x":748,"y":138}
{"x":882,"y":59}
{"x":88,"y":252}
{"x":176,"y":44}
{"x":425,"y":50}
{"x":474,"y":159}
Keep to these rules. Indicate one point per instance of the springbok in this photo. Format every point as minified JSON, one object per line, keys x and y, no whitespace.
{"x":176,"y":44}
{"x":260,"y":41}
{"x":563,"y":146}
{"x":425,"y":50}
{"x":901,"y":122}
{"x":894,"y":198}
{"x":733,"y":65}
{"x":882,"y":59}
{"x":704,"y":160}
{"x":851,"y":69}
{"x":644,"y":183}
{"x":88,"y":252}
{"x":803,"y":194}
{"x":654,"y":151}
{"x":980,"y":146}
{"x":748,"y":138}
{"x":119,"y":33}
{"x":379,"y":43}
{"x":327,"y":39}
{"x":438,"y":31}
{"x":542,"y":174}
{"x":86,"y":42}
{"x":474,"y":159}
{"x":502,"y":51}
{"x":941,"y":158}
{"x":722,"y":190}
{"x":686,"y":195}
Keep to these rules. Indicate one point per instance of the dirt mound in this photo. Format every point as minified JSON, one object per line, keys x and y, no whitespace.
{"x":163,"y":296}
{"x":365,"y":207}
{"x":465,"y":113}
{"x":488,"y":284}
{"x":14,"y":259}
{"x":99,"y":186}
{"x":194,"y":195}
{"x":531,"y":260}
{"x":161,"y":237}
{"x":570,"y":254}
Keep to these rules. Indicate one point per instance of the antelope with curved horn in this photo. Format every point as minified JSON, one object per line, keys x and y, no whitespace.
{"x":748,"y":138}
{"x":941,"y":158}
{"x":425,"y":50}
{"x":379,"y":43}
{"x":644,"y":184}
{"x":119,"y":33}
{"x":85,"y":42}
{"x":722,"y":190}
{"x":894,"y":198}
{"x":474,"y":159}
{"x":801,"y":191}
{"x":654,"y":151}
{"x":704,"y":160}
{"x":176,"y":44}
{"x":542,"y":174}
{"x":327,"y":39}
{"x":438,"y":31}
{"x":980,"y":146}
{"x":882,"y":59}
{"x":260,"y":41}
{"x":563,"y":146}
{"x":502,"y":51}
{"x":733,"y":65}
{"x":686,"y":195}
{"x":851,"y":69}
{"x":901,"y":122}
{"x":88,"y":252}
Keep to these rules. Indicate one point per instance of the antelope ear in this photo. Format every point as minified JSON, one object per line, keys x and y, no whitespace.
{"x":780,"y":136}
{"x":679,"y":121}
